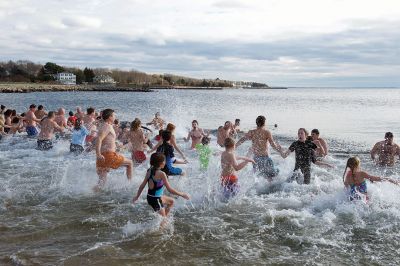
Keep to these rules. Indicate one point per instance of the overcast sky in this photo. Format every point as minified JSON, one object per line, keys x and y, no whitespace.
{"x":279,"y":42}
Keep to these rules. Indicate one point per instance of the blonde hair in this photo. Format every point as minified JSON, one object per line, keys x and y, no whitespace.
{"x":170,"y":127}
{"x":353,"y":163}
{"x":135,"y":124}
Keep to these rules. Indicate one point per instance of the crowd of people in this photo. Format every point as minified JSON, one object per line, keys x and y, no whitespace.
{"x":102,"y":133}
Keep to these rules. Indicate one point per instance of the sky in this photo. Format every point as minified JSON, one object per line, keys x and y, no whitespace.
{"x":279,"y":42}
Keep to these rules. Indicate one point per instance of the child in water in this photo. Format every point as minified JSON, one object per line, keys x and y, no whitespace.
{"x":79,"y":135}
{"x":168,"y":150}
{"x":204,"y":152}
{"x":354,"y":179}
{"x":229,"y":164}
{"x":304,"y":150}
{"x":156,"y":179}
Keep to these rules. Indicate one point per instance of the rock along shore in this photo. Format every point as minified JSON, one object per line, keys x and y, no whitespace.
{"x":26,"y":88}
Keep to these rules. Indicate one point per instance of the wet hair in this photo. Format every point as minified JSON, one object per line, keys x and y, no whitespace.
{"x":304,"y":130}
{"x":71,"y":113}
{"x":40,"y":107}
{"x":205,"y":140}
{"x":315,"y":131}
{"x":135,"y":125}
{"x":116,"y":122}
{"x":166,"y":135}
{"x":195,"y":121}
{"x":90,"y":110}
{"x":352,"y":163}
{"x":51,"y":114}
{"x":32,"y":106}
{"x":107,"y":113}
{"x":160,"y":132}
{"x":237,"y":120}
{"x":3,"y":107}
{"x":156,"y":159}
{"x":8,"y":113}
{"x":170,"y":127}
{"x":229,"y":143}
{"x":15,"y":120}
{"x":14,"y":113}
{"x":23,"y":114}
{"x":388,"y":135}
{"x":260,"y":121}
{"x":227,"y":122}
{"x":77,"y":125}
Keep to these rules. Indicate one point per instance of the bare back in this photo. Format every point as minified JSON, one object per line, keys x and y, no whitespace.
{"x":47,"y":127}
{"x":137,"y":140}
{"x":259,"y":138}
{"x":227,"y":162}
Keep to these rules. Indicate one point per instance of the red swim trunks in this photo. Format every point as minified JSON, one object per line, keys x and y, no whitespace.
{"x":139,"y":156}
{"x":229,"y":180}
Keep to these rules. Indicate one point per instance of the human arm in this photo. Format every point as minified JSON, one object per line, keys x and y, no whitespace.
{"x":271,"y":141}
{"x":245,"y":159}
{"x":147,"y":129}
{"x":377,"y":178}
{"x":141,"y":187}
{"x":171,"y":190}
{"x":239,"y":166}
{"x":188,"y":137}
{"x":374,"y":151}
{"x":173,"y":142}
{"x":57,"y":127}
{"x":156,"y":146}
{"x":102,"y":134}
{"x":325,"y":146}
{"x":285,"y":154}
{"x":243,"y":139}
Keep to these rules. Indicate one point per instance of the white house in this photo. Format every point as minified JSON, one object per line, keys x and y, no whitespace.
{"x":103,"y":79}
{"x":66,"y":78}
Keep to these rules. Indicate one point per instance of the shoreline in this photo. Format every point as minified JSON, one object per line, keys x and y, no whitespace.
{"x":40,"y":87}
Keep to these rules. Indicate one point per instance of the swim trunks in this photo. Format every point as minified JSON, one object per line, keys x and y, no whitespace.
{"x":265,"y":166}
{"x":229,"y":185}
{"x":75,"y":148}
{"x":111,"y":160}
{"x":155,"y":202}
{"x":139,"y":156}
{"x":31,"y":131}
{"x":44,"y":144}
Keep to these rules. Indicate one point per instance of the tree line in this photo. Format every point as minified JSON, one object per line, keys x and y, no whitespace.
{"x":27,"y":71}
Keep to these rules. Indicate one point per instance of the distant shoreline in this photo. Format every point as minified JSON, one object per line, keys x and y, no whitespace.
{"x":42,"y":87}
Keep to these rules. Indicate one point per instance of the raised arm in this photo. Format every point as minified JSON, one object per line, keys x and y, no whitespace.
{"x":239,"y":166}
{"x":57,"y":127}
{"x":243,"y":139}
{"x":156,"y":146}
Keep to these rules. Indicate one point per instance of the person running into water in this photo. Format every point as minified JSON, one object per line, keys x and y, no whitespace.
{"x":235,"y":128}
{"x":47,"y":127}
{"x":89,"y":120}
{"x":204,"y":152}
{"x":196,"y":134}
{"x":79,"y":134}
{"x":319,"y":153}
{"x":168,"y":150}
{"x":260,"y":138}
{"x":107,"y":158}
{"x":229,"y":164}
{"x":224,"y":133}
{"x":71,"y":119}
{"x":156,"y":180}
{"x":40,"y":112}
{"x":60,"y":118}
{"x":304,"y":149}
{"x":138,"y":140}
{"x":171,"y":128}
{"x":31,"y":120}
{"x":157,"y":122}
{"x":17,"y":125}
{"x":386,"y":150}
{"x":79,"y":113}
{"x":354,"y":179}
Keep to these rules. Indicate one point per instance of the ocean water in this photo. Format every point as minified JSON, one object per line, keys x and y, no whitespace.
{"x":49,"y":214}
